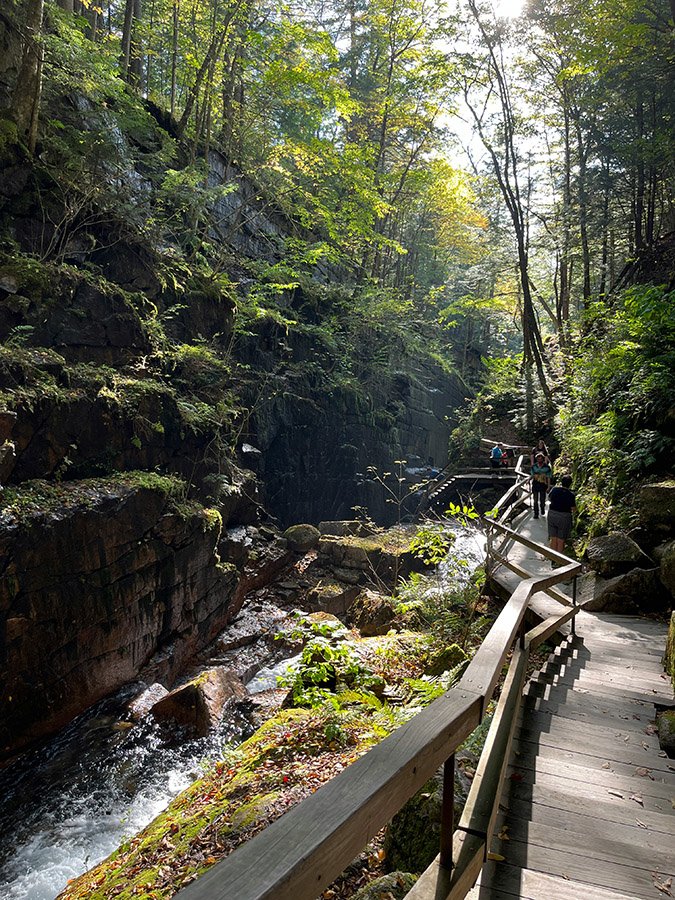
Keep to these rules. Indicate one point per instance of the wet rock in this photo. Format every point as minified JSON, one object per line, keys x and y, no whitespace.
{"x":615,"y":554}
{"x":372,"y":613}
{"x":657,"y":506}
{"x":637,"y":591}
{"x":332,"y":597}
{"x":393,"y":886}
{"x":302,"y":538}
{"x":666,"y":725}
{"x":198,"y":705}
{"x":141,"y":705}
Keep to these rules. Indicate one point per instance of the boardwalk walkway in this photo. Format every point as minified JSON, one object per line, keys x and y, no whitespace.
{"x":587,"y":811}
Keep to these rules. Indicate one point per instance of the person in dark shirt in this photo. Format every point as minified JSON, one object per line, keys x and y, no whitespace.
{"x":541,"y":481}
{"x":562,"y":503}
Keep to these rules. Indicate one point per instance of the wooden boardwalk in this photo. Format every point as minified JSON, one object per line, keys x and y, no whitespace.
{"x":587,"y":810}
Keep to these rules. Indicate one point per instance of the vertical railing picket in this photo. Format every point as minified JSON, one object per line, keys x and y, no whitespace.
{"x":448,"y":812}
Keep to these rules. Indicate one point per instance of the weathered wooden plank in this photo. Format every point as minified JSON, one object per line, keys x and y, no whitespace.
{"x":610,"y":787}
{"x":584,"y":683}
{"x":531,"y":885}
{"x":588,"y":816}
{"x":483,"y":671}
{"x":581,"y":709}
{"x":541,"y":549}
{"x":623,"y":877}
{"x":552,"y":592}
{"x":599,"y":729}
{"x":589,"y":836}
{"x":630,"y":750}
{"x":303,"y":851}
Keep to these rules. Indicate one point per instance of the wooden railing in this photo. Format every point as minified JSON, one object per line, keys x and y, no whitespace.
{"x":299,"y":854}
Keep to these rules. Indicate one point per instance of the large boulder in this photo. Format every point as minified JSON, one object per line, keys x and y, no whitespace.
{"x":667,"y":567}
{"x":198,"y":705}
{"x":333,"y":597}
{"x":372,"y":613}
{"x":302,"y":538}
{"x":657,"y":506}
{"x":639,"y":590}
{"x":381,"y":559}
{"x":614,"y":554}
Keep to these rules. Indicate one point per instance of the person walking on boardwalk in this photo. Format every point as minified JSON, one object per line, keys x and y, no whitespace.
{"x":541,"y":482}
{"x":562,"y":504}
{"x":540,"y":448}
{"x":496,"y":456}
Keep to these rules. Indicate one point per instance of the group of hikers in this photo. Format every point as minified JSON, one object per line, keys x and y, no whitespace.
{"x":561,"y":500}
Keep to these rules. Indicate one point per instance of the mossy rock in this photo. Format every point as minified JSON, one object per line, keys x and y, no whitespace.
{"x":670,"y":649}
{"x":666,"y":723}
{"x":446,"y":659}
{"x":302,"y":538}
{"x":393,"y":886}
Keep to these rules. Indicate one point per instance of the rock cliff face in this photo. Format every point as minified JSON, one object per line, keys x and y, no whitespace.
{"x":93,"y":590}
{"x":108,"y":367}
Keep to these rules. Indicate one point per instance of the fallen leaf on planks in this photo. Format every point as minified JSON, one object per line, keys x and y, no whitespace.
{"x":637,"y":798}
{"x":496,"y":857}
{"x":644,"y":773}
{"x":616,"y":794}
{"x":640,"y":824}
{"x":663,"y":886}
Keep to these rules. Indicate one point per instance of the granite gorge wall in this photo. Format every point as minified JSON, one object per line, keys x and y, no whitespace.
{"x":95,"y":585}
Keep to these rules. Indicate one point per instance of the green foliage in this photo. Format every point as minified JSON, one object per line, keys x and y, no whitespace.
{"x":325,"y":666}
{"x":615,"y":426}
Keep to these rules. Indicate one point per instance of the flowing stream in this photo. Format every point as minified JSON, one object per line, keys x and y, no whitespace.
{"x":67,"y":805}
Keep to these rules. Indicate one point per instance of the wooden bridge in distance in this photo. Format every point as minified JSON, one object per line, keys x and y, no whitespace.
{"x":572,"y":799}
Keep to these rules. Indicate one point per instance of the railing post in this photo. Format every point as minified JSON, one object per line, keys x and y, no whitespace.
{"x":448,"y":812}
{"x":574,"y":603}
{"x":488,"y":551}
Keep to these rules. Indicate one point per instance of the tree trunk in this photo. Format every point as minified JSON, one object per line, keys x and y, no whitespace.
{"x":136,"y":48}
{"x":174,"y":54}
{"x":26,"y":97}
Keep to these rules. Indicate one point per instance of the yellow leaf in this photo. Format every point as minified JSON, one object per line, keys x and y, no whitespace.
{"x":497,"y":857}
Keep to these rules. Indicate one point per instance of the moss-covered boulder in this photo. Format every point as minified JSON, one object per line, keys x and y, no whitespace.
{"x":667,"y":567}
{"x":445,"y":659}
{"x":302,"y":538}
{"x":393,"y":886}
{"x":666,"y":724}
{"x":382,"y":559}
{"x":372,"y":613}
{"x":657,"y":506}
